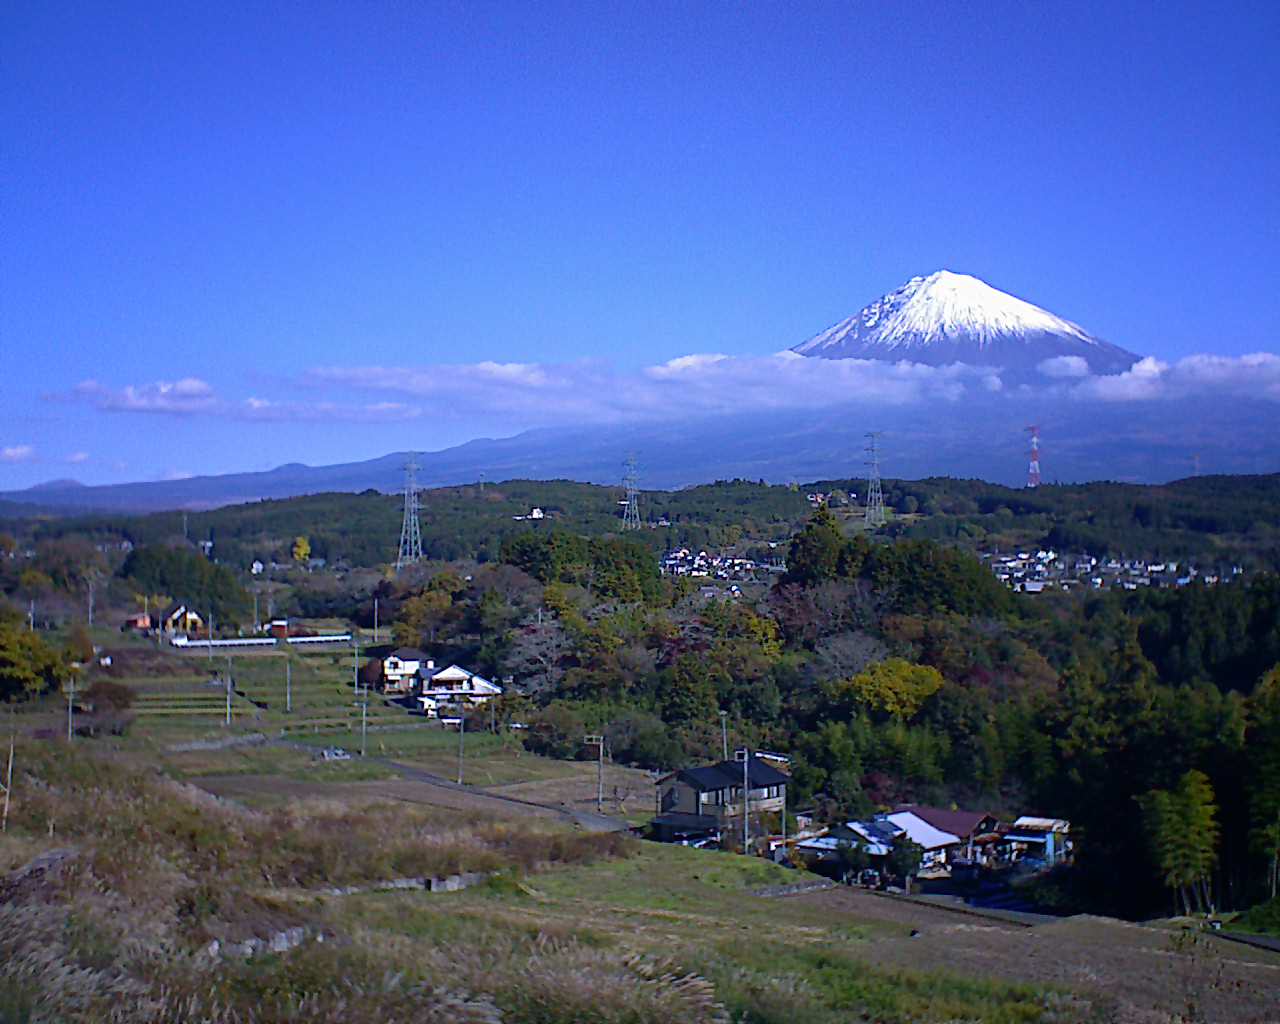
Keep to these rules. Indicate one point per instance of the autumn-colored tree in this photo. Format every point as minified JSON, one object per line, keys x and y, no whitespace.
{"x":894,"y":686}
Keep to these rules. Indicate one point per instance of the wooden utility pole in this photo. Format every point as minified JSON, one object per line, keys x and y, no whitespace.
{"x":462,"y":735}
{"x":71,"y":702}
{"x":598,"y":740}
{"x":8,"y":781}
{"x":364,"y":722}
{"x":744,"y":755}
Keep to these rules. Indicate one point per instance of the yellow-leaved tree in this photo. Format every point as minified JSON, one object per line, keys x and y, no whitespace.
{"x":894,"y":686}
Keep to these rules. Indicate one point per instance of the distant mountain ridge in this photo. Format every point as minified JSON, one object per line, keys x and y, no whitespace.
{"x":983,"y":441}
{"x":956,"y":318}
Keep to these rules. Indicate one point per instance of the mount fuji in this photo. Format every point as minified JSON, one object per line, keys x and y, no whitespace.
{"x":950,"y":318}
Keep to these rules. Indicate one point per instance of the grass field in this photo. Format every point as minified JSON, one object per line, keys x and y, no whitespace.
{"x":181,"y":698}
{"x":573,"y":928}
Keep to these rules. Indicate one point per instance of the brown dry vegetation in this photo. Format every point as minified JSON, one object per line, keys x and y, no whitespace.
{"x":120,"y":930}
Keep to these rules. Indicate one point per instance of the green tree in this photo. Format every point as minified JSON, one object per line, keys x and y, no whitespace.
{"x":816,"y":550}
{"x":905,"y":858}
{"x":1184,"y":833}
{"x":28,"y":666}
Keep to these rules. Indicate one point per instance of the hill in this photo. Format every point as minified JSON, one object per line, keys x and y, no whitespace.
{"x":1218,"y":519}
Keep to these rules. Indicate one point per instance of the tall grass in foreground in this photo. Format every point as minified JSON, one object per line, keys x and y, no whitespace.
{"x":121,"y":932}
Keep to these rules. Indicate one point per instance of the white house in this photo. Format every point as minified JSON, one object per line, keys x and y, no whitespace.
{"x":453,"y":687}
{"x":400,"y":669}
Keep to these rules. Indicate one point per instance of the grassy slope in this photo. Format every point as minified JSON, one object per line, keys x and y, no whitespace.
{"x":647,"y":934}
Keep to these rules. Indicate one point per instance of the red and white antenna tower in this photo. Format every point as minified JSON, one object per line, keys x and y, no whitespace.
{"x":1033,"y":468}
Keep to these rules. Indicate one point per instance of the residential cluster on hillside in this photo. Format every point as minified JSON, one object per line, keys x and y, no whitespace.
{"x":1032,"y":572}
{"x":704,"y":807}
{"x":702,"y":565}
{"x":954,"y":842}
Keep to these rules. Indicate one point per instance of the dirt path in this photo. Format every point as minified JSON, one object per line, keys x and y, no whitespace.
{"x":1141,"y":969}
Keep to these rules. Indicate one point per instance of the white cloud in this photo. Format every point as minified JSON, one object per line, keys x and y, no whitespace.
{"x":1064,"y":366}
{"x":75,"y":458}
{"x":180,"y":397}
{"x":17,"y":453}
{"x":522,"y":395}
{"x":590,"y":391}
{"x":1251,"y":376}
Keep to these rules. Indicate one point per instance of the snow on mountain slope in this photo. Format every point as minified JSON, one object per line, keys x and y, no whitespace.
{"x":948,"y":318}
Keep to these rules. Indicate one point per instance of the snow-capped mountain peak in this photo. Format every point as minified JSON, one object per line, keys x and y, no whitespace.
{"x":948,"y":318}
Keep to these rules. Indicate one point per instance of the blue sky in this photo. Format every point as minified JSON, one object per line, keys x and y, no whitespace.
{"x":229,"y":238}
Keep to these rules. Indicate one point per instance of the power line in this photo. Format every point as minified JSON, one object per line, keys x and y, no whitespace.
{"x":631,"y":514}
{"x":1033,"y":466}
{"x":410,"y":532}
{"x":875,"y":516}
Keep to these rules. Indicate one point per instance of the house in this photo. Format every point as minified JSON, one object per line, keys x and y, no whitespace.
{"x":875,"y":836}
{"x":179,"y":619}
{"x":705,"y":799}
{"x":139,"y":621}
{"x":945,"y":834}
{"x":1045,"y":839}
{"x":400,"y":669}
{"x":453,"y":688}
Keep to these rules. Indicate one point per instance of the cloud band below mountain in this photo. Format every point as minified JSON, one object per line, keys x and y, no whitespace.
{"x":519,"y":395}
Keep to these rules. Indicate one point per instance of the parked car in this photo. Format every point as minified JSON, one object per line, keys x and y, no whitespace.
{"x":334,"y":754}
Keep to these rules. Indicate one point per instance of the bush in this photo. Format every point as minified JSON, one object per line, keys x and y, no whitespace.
{"x":1263,"y":918}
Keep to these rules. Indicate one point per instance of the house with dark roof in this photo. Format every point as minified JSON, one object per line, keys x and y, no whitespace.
{"x":704,"y":800}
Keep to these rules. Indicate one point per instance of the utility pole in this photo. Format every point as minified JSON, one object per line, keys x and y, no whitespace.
{"x":874,"y":516}
{"x":631,"y":510}
{"x":256,"y":624}
{"x":228,"y":688}
{"x":724,"y":735}
{"x":1033,"y":456}
{"x":410,"y":531}
{"x":462,"y":735}
{"x":8,"y":782}
{"x":71,"y":704}
{"x":744,"y":755}
{"x":375,"y":620}
{"x":355,"y":663}
{"x":90,"y":582}
{"x":31,"y":615}
{"x":784,"y":819}
{"x":288,"y":683}
{"x":598,"y":740}
{"x":364,"y":722}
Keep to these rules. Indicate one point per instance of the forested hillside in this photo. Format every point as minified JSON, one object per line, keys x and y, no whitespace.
{"x":1228,"y":520}
{"x":899,"y":673}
